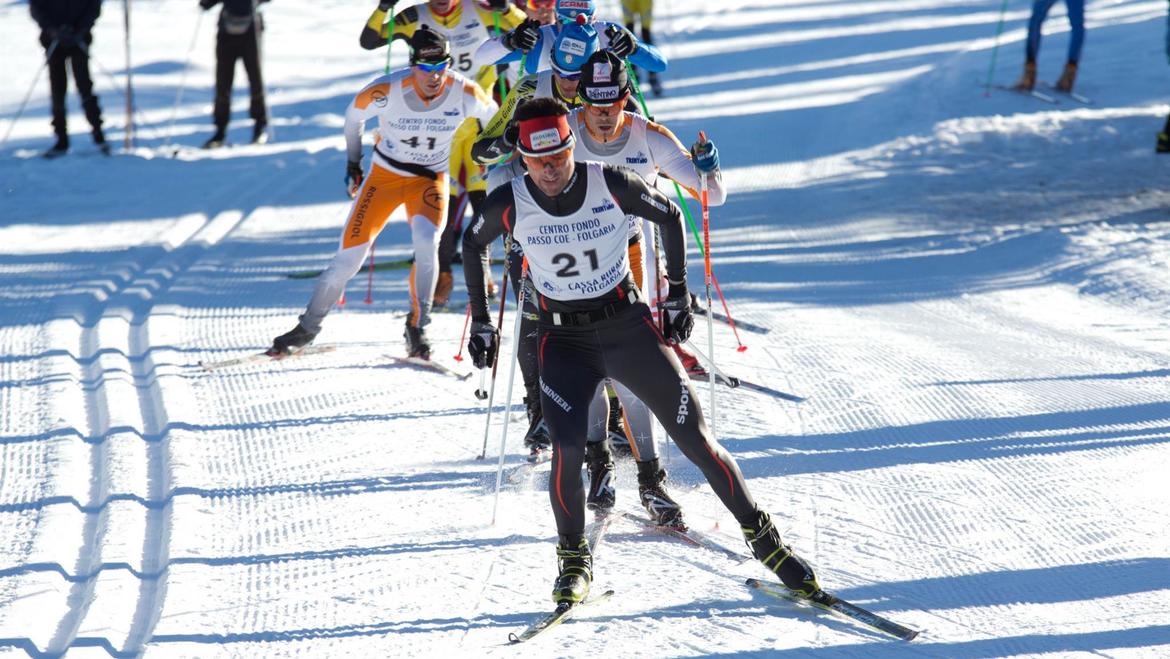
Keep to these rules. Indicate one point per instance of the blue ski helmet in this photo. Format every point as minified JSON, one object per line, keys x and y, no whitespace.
{"x":575,"y":44}
{"x":569,"y":10}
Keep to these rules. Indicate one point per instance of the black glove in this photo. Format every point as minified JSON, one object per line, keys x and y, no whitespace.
{"x":353,"y":177}
{"x":621,"y":41}
{"x":484,"y":341}
{"x":386,"y":5}
{"x":524,"y":37}
{"x":677,"y":318}
{"x":498,"y":5}
{"x":207,"y":4}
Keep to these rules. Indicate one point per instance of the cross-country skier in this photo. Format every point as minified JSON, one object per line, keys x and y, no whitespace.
{"x":66,"y":34}
{"x":570,"y":217}
{"x":533,"y":44}
{"x":606,"y":133}
{"x":1076,"y":20}
{"x":466,"y":24}
{"x":418,"y":110}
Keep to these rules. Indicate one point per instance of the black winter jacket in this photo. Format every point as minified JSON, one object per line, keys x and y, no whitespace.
{"x":78,"y":14}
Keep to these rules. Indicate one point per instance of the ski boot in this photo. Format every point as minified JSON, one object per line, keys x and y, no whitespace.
{"x":260,"y":132}
{"x":443,"y":289}
{"x":537,"y":439}
{"x":1027,"y":81}
{"x":1068,"y":77}
{"x":600,"y":462}
{"x":575,"y":563}
{"x":663,"y":510}
{"x":416,"y":341}
{"x":291,"y":341}
{"x":616,"y":431}
{"x":764,"y":541}
{"x":60,"y":148}
{"x":216,"y":140}
{"x":1163,"y":145}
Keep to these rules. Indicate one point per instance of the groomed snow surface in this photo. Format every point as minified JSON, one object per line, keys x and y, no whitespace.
{"x":972,"y":292}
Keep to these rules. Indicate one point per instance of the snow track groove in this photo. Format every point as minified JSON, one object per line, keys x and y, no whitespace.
{"x":120,"y":443}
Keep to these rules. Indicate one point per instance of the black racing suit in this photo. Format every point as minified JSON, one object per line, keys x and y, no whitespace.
{"x":613,"y":336}
{"x":68,"y":25}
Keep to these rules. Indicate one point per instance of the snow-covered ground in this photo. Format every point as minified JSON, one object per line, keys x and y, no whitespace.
{"x":972,"y":292}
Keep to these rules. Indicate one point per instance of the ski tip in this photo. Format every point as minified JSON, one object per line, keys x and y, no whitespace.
{"x":912,"y":635}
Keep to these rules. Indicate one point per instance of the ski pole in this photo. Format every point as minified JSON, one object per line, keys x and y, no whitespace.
{"x":481,"y":391}
{"x":129,"y":141}
{"x":37,"y":78}
{"x":389,"y":36}
{"x":463,"y":337}
{"x":707,"y":278}
{"x":995,"y":48}
{"x":511,"y":379}
{"x":491,"y":394}
{"x":727,"y":312}
{"x":686,"y":209}
{"x":370,"y":276}
{"x":114,"y":84}
{"x":499,"y":73}
{"x":183,"y":79}
{"x":715,"y":372}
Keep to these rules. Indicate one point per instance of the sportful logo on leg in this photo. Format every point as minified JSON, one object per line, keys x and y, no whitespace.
{"x":684,"y":401}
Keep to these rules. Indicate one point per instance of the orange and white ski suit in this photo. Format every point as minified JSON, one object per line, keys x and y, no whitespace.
{"x":409,"y":168}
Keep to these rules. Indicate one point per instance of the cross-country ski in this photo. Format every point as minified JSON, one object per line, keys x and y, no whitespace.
{"x":834,"y":604}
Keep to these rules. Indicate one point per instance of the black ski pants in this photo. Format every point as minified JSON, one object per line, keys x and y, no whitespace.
{"x":228,"y":49}
{"x":630,"y":349}
{"x":78,"y":56}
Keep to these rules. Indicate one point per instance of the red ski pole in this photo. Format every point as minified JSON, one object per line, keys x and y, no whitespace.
{"x":730,"y":320}
{"x":463,"y":336}
{"x":707,"y":281}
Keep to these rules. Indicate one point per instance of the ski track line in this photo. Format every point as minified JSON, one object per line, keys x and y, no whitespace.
{"x":128,"y":424}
